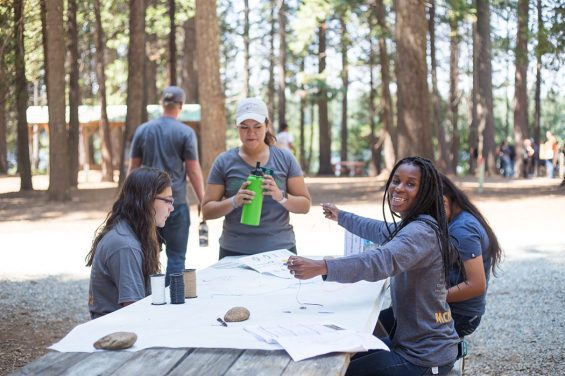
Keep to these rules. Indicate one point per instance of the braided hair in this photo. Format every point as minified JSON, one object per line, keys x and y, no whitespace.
{"x":457,"y":197}
{"x":429,"y":200}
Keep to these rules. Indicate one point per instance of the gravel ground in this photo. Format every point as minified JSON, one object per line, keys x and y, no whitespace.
{"x":522,"y":333}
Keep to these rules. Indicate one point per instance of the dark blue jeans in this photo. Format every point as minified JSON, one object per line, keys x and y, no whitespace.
{"x":175,"y":237}
{"x":465,"y":325}
{"x":388,"y":363}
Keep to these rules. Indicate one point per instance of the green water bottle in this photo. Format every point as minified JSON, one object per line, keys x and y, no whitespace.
{"x":251,"y":213}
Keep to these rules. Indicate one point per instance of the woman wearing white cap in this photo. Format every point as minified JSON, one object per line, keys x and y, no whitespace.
{"x":226,"y":193}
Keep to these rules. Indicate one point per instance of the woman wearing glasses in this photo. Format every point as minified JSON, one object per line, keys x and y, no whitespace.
{"x":284,"y":191}
{"x":125,"y":250}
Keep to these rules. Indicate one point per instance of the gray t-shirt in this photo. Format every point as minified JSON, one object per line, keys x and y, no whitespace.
{"x":117,"y":274}
{"x":275,"y":231}
{"x":425,"y":335}
{"x":166,"y":143}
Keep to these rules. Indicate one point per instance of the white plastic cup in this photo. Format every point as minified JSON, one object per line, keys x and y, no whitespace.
{"x":158,"y":289}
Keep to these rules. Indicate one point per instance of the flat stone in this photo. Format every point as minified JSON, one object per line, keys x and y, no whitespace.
{"x":116,"y":341}
{"x":237,"y":314}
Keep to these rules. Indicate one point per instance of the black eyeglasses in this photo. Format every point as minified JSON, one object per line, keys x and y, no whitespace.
{"x":170,"y":201}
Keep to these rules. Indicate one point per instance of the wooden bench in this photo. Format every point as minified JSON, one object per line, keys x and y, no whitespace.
{"x":349,"y":168}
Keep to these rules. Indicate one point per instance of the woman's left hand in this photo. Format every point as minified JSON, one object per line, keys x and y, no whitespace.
{"x":303,"y":268}
{"x":271,"y":188}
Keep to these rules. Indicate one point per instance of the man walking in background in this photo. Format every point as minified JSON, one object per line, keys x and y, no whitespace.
{"x":285,"y":139}
{"x":170,"y":145}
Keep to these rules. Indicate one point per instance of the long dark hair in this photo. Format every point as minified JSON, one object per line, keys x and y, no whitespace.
{"x":457,"y":197}
{"x":135,"y":206}
{"x":429,"y":200}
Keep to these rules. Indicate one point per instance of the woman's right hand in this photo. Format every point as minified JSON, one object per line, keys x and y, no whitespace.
{"x":244,"y":196}
{"x":330,"y":211}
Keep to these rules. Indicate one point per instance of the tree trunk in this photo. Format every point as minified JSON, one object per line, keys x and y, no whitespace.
{"x":389,"y":140}
{"x":521,"y":85}
{"x":325,"y":167}
{"x":539,"y":54}
{"x":58,"y":158}
{"x":3,"y":96}
{"x":172,"y":45}
{"x":209,"y":84}
{"x":106,"y":144}
{"x":246,"y":43}
{"x":271,"y":82}
{"x":485,"y":117}
{"x":189,"y":71}
{"x":24,"y":165}
{"x":454,"y":91}
{"x":151,"y":58}
{"x":74,"y":93}
{"x":311,"y":145}
{"x":372,"y":110}
{"x":282,"y":62}
{"x":345,"y":87}
{"x":442,"y":154}
{"x":414,"y":130}
{"x":474,"y":127}
{"x":136,"y":72}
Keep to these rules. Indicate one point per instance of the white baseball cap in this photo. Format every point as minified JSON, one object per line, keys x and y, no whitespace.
{"x":251,"y":108}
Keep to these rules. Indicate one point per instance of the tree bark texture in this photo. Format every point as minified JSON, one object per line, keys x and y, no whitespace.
{"x":24,"y":164}
{"x":189,"y":68}
{"x":485,"y":116}
{"x":271,"y":82}
{"x":152,"y":56}
{"x":442,"y":154}
{"x":136,"y":107}
{"x":386,"y":109}
{"x":474,"y":126}
{"x":521,"y":84}
{"x":3,"y":97}
{"x":539,"y":54}
{"x":213,"y":117}
{"x":454,"y":95}
{"x":345,"y":88}
{"x":282,"y":62}
{"x":74,"y":93}
{"x":325,"y":167}
{"x":246,"y":44}
{"x":106,"y":143}
{"x":302,"y":118}
{"x":414,"y":130}
{"x":58,"y":157}
{"x":172,"y":44}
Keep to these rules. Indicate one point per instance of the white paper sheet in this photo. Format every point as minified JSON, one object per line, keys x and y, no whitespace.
{"x":273,"y":262}
{"x":355,"y":244}
{"x":193,"y":324}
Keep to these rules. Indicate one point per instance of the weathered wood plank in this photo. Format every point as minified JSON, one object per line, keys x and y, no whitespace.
{"x":323,"y":365}
{"x":209,"y":362}
{"x":99,"y":363}
{"x":260,"y":362}
{"x":52,"y":363}
{"x":155,"y":361}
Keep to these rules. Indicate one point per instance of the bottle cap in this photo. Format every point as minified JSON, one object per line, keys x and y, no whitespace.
{"x":257,"y":171}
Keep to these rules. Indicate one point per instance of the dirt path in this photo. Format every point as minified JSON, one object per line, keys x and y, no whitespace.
{"x":43,"y":281}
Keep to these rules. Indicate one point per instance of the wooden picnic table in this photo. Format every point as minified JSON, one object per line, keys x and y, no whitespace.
{"x":187,"y":361}
{"x":211,"y":349}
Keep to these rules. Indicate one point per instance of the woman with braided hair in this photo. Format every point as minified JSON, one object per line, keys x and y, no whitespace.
{"x":414,"y":251}
{"x":125,"y":250}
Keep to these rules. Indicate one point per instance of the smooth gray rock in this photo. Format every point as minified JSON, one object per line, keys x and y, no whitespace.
{"x":237,"y":314}
{"x":116,"y":341}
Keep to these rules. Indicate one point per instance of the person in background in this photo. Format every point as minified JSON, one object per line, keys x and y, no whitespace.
{"x":551,"y":154}
{"x":285,"y":139}
{"x":125,"y":250}
{"x":226,"y":193}
{"x":480,"y":253}
{"x":170,"y":145}
{"x":415,"y":253}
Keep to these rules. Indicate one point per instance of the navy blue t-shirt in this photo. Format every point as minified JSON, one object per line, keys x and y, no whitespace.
{"x":471,"y":240}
